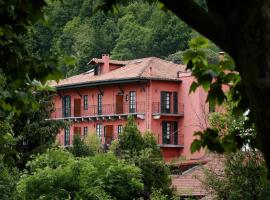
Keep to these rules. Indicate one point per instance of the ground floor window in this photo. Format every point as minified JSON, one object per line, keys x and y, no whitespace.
{"x":120,"y":129}
{"x":85,"y":131}
{"x":67,"y":136}
{"x":170,"y":132}
{"x":99,"y":130}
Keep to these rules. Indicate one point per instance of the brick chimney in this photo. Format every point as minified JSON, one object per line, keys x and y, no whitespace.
{"x":106,"y":66}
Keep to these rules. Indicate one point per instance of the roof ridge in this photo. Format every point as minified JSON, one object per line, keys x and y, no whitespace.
{"x":146,"y":66}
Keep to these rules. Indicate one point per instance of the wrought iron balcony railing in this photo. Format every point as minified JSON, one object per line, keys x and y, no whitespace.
{"x":95,"y":110}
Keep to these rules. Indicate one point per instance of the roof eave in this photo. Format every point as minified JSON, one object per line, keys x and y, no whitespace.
{"x":99,"y":83}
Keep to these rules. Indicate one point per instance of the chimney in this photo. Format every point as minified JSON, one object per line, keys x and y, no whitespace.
{"x":106,"y":66}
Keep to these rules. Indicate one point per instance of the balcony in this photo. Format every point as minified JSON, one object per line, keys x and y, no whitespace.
{"x":95,"y":112}
{"x":170,"y":142}
{"x":159,"y":110}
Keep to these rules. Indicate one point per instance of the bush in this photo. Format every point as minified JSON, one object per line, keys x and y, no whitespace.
{"x":93,"y":143}
{"x":99,"y":177}
{"x":79,"y":148}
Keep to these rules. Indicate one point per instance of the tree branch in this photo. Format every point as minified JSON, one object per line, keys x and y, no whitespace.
{"x":199,"y":19}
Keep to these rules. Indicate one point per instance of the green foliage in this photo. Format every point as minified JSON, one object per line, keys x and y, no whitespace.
{"x":93,"y":143}
{"x":145,"y":154}
{"x":33,"y":131}
{"x":214,"y":78}
{"x":227,"y":132}
{"x":78,"y":31}
{"x":244,"y":176}
{"x":52,"y":158}
{"x":79,"y":148}
{"x":130,"y":140}
{"x":8,"y":180}
{"x":98,"y":177}
{"x":20,"y":67}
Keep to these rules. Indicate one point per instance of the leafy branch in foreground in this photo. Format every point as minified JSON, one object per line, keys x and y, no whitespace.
{"x":223,"y":85}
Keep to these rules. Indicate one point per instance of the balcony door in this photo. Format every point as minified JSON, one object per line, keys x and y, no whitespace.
{"x":77,"y":107}
{"x":119,"y":104}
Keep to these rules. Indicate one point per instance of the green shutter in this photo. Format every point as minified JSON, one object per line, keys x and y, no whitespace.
{"x":175,"y":131}
{"x":162,"y":102}
{"x":63,"y":106}
{"x":175,"y":102}
{"x":164,"y":129}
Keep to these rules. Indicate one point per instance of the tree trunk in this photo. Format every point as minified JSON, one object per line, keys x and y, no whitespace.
{"x":250,"y":49}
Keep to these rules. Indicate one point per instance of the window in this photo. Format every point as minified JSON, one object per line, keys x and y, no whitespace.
{"x":99,"y":130}
{"x":67,"y":137}
{"x":85,"y":131}
{"x":99,"y":104}
{"x":132,"y":101}
{"x":120,"y":129}
{"x":169,"y":132}
{"x":85,"y":102}
{"x":66,"y":107}
{"x":165,"y":102}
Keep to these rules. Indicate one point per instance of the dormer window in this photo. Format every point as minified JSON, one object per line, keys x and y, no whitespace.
{"x":97,"y":70}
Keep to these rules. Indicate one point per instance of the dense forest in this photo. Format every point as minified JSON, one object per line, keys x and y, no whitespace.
{"x":75,"y":32}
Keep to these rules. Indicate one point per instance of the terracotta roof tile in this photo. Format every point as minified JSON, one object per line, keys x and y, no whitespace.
{"x":145,"y":68}
{"x":189,"y":183}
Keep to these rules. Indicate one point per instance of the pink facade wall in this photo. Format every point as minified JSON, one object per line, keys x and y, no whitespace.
{"x":194,"y":108}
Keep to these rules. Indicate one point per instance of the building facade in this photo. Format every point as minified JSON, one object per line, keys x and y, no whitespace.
{"x":154,"y":91}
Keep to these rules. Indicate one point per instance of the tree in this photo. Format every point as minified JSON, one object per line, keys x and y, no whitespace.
{"x":244,"y":176}
{"x":131,"y":140}
{"x":144,"y":152}
{"x":79,"y":148}
{"x":58,"y":175}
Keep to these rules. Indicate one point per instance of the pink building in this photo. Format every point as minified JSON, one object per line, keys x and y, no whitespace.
{"x":154,"y":91}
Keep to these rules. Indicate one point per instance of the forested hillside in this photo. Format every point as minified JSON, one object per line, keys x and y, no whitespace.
{"x":75,"y":30}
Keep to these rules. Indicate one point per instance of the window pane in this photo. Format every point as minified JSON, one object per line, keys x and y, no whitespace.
{"x":67,"y":136}
{"x":99,"y":130}
{"x":120,"y":129}
{"x":132,"y":101}
{"x":85,"y":102}
{"x":85,"y":131}
{"x":99,"y":104}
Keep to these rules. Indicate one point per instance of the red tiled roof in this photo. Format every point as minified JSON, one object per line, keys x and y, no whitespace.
{"x":145,"y":68}
{"x":114,"y":62}
{"x":189,"y":183}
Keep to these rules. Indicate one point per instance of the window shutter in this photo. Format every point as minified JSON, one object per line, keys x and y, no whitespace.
{"x":163,"y":102}
{"x":175,"y":130}
{"x":63,"y":106}
{"x":164,"y":132}
{"x":175,"y":102}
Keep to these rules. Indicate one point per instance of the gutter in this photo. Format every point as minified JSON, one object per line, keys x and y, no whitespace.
{"x":109,"y":82}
